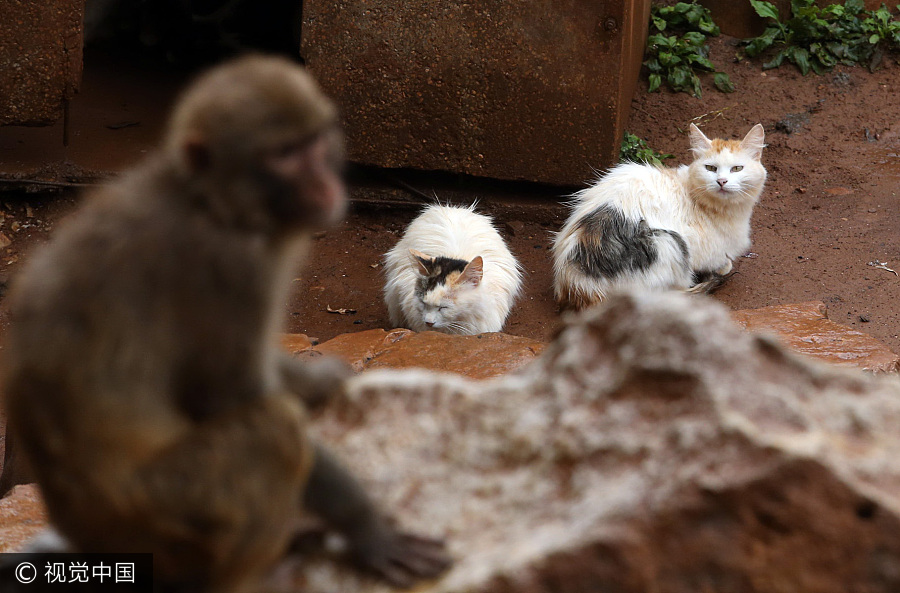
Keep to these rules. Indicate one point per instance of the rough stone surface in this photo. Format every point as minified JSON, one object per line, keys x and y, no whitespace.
{"x":477,"y":357}
{"x":508,"y":89}
{"x":40,"y":59}
{"x":654,"y":446}
{"x":22,"y":516}
{"x":805,"y":327}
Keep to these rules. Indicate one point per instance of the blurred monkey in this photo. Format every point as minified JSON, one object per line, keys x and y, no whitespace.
{"x":142,"y":373}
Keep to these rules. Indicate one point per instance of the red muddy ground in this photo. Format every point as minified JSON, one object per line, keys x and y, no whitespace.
{"x":829,"y":208}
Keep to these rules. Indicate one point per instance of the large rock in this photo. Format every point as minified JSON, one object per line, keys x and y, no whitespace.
{"x":805,"y":327}
{"x":22,"y":516}
{"x":653,"y":447}
{"x":478,"y":357}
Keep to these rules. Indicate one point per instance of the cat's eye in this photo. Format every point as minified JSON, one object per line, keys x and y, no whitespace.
{"x":737,"y":168}
{"x":442,"y":307}
{"x":712,"y":168}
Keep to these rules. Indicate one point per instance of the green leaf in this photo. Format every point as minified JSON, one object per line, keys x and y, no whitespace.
{"x":874,"y":38}
{"x":653,"y":65}
{"x":703,"y":62}
{"x":854,"y":6}
{"x":695,"y":86}
{"x":694,"y":38}
{"x":660,"y":40}
{"x":710,"y":28}
{"x":757,"y":45}
{"x":679,"y":79}
{"x":659,"y":23}
{"x":800,"y":57}
{"x":798,"y":6}
{"x":776,"y":61}
{"x":723,"y":83}
{"x":765,"y":9}
{"x":655,"y":81}
{"x":668,"y":60}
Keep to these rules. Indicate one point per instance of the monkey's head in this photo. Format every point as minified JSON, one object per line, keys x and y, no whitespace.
{"x":262,"y":141}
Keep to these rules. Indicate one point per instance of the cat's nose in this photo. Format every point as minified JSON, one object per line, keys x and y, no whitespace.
{"x":429,"y":323}
{"x":721,"y":182}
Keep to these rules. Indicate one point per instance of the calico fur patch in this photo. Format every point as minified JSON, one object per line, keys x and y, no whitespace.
{"x":441,"y":270}
{"x":610,"y":244}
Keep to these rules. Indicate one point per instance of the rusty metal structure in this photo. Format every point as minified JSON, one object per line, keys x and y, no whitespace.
{"x":505,"y":89}
{"x":40,"y":59}
{"x":509,"y":89}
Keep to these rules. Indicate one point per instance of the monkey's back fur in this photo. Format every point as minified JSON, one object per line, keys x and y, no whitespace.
{"x":141,"y":368}
{"x":119,"y":307}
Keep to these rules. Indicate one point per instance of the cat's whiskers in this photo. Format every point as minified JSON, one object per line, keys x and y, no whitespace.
{"x":459,"y":328}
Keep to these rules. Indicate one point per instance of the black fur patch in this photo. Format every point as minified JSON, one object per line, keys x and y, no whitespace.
{"x":610,"y":244}
{"x":438,"y":270}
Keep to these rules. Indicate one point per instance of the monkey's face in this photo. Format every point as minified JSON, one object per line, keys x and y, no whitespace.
{"x":312,"y":170}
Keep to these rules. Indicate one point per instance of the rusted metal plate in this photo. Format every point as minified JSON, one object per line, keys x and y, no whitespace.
{"x":535,"y":90}
{"x":40,"y":59}
{"x":739,"y":19}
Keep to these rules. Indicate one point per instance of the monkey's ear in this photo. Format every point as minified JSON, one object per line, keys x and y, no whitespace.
{"x":473,"y":273}
{"x":424,"y":262}
{"x":196,"y":154}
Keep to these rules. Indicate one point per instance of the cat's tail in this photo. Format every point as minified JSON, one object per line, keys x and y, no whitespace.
{"x":708,"y":282}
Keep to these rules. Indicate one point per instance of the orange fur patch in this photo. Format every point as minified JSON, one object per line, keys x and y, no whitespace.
{"x":719,"y":145}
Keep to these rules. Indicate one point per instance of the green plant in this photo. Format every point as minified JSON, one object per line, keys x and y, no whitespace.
{"x":816,"y":39}
{"x":686,"y":16}
{"x":676,"y":59}
{"x":635,"y":149}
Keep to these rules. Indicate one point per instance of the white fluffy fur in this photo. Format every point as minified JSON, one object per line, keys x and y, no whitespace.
{"x":714,"y":221}
{"x":459,"y":233}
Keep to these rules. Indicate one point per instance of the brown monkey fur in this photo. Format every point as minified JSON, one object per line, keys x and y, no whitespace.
{"x":142,"y":374}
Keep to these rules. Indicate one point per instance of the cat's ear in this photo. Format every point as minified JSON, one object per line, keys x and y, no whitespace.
{"x":423,"y":261}
{"x":754,"y":142}
{"x":699,"y":142}
{"x":473,"y":273}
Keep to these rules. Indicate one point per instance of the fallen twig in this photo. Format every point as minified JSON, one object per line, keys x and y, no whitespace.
{"x":882,"y":266}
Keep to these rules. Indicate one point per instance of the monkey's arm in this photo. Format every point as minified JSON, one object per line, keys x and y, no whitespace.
{"x":15,"y":470}
{"x":313,"y":381}
{"x":400,"y":558}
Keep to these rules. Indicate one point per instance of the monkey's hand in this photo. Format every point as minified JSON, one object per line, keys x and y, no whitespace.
{"x":400,"y":558}
{"x":314,"y":381}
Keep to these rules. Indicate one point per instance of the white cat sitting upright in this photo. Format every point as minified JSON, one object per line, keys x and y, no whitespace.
{"x":451,"y":272}
{"x":656,"y":228}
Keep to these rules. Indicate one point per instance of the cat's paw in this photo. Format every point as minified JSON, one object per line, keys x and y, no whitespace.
{"x":725,"y":269}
